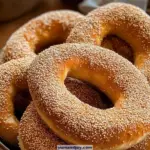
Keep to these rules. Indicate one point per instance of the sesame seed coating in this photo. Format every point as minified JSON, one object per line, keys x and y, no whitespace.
{"x":126,"y":21}
{"x":13,"y":76}
{"x":35,"y":135}
{"x":76,"y":122}
{"x":44,"y":30}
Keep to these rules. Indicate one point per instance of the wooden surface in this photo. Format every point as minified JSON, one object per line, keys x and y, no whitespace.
{"x":7,"y":28}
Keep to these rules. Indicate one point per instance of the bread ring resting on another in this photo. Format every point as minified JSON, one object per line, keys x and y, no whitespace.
{"x":49,"y":28}
{"x":126,"y":21}
{"x":13,"y":77}
{"x":120,"y":127}
{"x":35,"y":135}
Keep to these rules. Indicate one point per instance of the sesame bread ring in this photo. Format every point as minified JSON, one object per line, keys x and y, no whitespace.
{"x":32,"y":126}
{"x":49,"y":28}
{"x":120,"y":127}
{"x":126,"y":21}
{"x":34,"y":134}
{"x":13,"y":77}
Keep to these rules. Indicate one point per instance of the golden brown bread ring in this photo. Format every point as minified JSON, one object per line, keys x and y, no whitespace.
{"x":116,"y":44}
{"x":49,"y":28}
{"x":120,"y":127}
{"x":34,"y":134}
{"x":31,"y":125}
{"x":13,"y":76}
{"x":123,"y":20}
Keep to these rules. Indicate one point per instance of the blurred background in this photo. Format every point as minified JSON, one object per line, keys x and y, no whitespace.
{"x":14,"y":13}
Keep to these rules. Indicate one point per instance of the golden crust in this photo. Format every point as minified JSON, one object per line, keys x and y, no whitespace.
{"x":13,"y":76}
{"x":124,"y":20}
{"x":49,"y":28}
{"x":117,"y":128}
{"x":36,"y":135}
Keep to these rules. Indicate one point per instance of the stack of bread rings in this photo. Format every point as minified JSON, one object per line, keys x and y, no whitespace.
{"x":68,"y":79}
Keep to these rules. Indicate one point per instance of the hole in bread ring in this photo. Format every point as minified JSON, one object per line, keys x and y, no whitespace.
{"x":76,"y":122}
{"x":32,"y":126}
{"x":118,"y":45}
{"x":22,"y":99}
{"x":39,"y":33}
{"x":126,"y":21}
